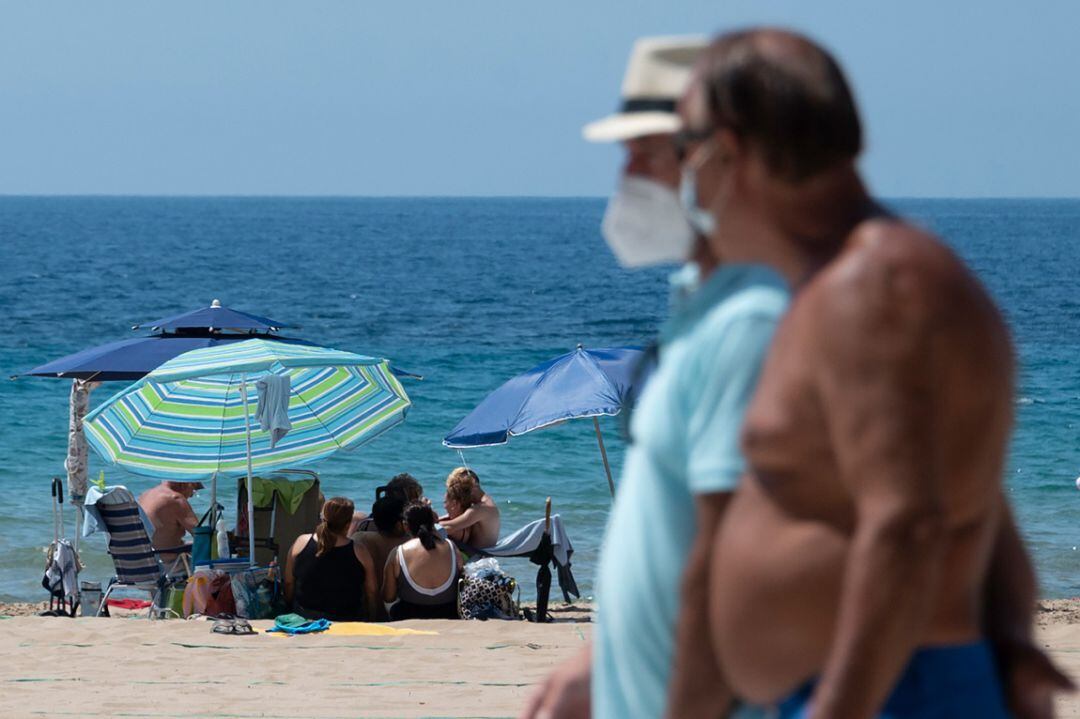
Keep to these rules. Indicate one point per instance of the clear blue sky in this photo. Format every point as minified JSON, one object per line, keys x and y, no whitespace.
{"x":487,"y":97}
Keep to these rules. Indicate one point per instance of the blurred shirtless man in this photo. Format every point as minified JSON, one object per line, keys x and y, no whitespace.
{"x":869,"y":563}
{"x":170,"y":512}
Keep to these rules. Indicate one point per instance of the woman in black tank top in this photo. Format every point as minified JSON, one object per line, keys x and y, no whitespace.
{"x":328,"y":576}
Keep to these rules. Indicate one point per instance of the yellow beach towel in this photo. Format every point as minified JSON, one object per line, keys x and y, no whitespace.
{"x":367,"y":629}
{"x":362,"y":629}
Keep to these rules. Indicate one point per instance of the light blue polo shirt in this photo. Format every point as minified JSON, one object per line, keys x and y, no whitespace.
{"x":685,"y":433}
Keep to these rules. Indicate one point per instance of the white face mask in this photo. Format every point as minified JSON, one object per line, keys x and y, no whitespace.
{"x":644,"y":224}
{"x":703,"y":221}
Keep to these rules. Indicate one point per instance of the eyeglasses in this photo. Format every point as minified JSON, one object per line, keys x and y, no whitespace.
{"x":687,"y":137}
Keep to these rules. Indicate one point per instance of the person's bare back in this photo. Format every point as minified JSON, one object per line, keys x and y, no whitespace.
{"x":169,"y":511}
{"x":892,"y":361}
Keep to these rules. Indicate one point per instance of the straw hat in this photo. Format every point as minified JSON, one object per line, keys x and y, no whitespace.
{"x":656,"y":76}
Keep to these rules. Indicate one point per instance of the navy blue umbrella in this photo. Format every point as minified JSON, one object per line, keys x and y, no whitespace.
{"x":583,"y":383}
{"x":132,"y":359}
{"x":214,"y":319}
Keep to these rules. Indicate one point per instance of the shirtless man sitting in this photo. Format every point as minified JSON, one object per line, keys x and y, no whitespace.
{"x":472,"y":517}
{"x":388,"y":518}
{"x":170,"y":512}
{"x":868,"y":565}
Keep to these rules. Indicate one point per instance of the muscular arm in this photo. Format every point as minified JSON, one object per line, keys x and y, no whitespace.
{"x":875,"y":377}
{"x":463,"y":521}
{"x":1029,"y":677}
{"x":185,"y":516}
{"x":1010,"y":586}
{"x":697,"y":688}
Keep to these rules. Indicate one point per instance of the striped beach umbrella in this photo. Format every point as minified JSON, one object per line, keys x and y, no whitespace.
{"x":191,"y":418}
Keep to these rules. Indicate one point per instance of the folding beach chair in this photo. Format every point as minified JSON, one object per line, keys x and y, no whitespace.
{"x":137,"y":563}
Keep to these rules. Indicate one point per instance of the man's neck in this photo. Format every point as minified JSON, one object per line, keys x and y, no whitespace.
{"x":795,"y":229}
{"x":815,"y":218}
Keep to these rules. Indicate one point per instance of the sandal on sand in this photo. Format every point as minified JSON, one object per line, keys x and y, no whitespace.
{"x":239,"y":627}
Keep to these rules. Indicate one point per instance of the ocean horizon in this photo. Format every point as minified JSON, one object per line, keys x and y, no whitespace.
{"x":466,"y":291}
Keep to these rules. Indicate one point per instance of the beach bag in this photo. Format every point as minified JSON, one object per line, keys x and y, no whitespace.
{"x":253,"y":590}
{"x":487,"y":592}
{"x":209,"y":592}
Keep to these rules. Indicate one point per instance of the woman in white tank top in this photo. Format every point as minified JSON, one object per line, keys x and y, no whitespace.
{"x":421,"y":576}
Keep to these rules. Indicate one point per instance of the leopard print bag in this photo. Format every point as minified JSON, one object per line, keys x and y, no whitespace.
{"x":487,"y":595}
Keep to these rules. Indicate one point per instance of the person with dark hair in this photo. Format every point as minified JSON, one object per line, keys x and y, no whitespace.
{"x":421,"y":576}
{"x":328,"y":575}
{"x":868,"y":564}
{"x":388,"y":518}
{"x":403,"y":486}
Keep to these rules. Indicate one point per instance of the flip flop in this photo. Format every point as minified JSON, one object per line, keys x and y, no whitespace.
{"x":238,"y":627}
{"x":242,"y":628}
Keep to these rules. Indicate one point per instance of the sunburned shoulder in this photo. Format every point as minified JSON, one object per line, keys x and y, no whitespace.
{"x":888,"y":264}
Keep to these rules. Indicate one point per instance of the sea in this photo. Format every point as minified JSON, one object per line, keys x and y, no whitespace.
{"x":466,"y":292}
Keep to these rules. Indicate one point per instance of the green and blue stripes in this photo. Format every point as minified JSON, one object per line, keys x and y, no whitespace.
{"x":185,"y":420}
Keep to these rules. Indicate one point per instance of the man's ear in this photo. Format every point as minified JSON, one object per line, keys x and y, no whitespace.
{"x":729,"y":146}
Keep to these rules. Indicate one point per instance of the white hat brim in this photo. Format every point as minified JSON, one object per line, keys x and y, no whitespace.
{"x":630,"y":125}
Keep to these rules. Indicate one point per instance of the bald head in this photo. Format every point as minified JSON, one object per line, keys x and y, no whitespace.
{"x":782,"y":94}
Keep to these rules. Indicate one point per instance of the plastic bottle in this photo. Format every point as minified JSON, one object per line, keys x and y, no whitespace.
{"x":222,"y":540}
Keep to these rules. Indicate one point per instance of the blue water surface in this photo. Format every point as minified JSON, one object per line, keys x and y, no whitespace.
{"x":466,"y":292}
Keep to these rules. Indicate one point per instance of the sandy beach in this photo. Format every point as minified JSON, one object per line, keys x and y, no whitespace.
{"x":52,"y":667}
{"x":134,"y":668}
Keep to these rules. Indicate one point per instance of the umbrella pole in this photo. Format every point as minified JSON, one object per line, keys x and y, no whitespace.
{"x":213,"y":504}
{"x":603,"y":455}
{"x":250,"y":489}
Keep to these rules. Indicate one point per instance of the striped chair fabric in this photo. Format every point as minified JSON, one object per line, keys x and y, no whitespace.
{"x":129,"y":544}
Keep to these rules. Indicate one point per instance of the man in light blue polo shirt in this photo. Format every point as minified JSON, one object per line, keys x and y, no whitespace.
{"x":684,"y":435}
{"x":684,"y":460}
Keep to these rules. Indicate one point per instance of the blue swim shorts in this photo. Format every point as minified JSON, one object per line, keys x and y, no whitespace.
{"x":938,"y":683}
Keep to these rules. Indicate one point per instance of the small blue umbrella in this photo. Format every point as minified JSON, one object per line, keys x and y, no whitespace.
{"x":583,"y":383}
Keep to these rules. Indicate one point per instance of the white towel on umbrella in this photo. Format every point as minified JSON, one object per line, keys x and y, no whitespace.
{"x":273,"y":411}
